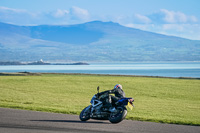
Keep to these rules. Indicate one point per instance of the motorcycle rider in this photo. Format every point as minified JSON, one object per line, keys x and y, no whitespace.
{"x":110,"y":101}
{"x":119,"y":93}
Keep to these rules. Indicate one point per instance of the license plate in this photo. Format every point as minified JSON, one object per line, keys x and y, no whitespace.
{"x":130,"y":106}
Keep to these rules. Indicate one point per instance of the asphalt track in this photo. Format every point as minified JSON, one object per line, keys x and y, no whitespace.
{"x":22,"y":121}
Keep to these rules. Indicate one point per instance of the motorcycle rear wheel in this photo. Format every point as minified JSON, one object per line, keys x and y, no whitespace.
{"x":85,"y":114}
{"x":118,"y":116}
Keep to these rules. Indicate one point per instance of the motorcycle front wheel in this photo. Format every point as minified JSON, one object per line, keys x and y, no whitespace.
{"x":85,"y":114}
{"x":119,"y":115}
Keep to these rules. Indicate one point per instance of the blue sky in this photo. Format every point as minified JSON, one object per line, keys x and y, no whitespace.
{"x":171,"y":17}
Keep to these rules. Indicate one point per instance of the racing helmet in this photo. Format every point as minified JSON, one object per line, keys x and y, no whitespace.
{"x":118,"y":86}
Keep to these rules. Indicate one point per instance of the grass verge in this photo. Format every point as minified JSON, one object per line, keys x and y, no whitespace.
{"x":162,"y":100}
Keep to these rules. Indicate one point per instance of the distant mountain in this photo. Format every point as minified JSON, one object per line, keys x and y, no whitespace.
{"x":93,"y":41}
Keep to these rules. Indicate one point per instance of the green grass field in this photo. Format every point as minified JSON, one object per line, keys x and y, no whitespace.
{"x":164,"y":100}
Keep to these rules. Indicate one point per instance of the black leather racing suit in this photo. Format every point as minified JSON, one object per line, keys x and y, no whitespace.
{"x":111,"y":100}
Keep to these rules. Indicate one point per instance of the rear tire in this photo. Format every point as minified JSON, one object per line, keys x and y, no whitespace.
{"x":118,"y":116}
{"x":85,"y":114}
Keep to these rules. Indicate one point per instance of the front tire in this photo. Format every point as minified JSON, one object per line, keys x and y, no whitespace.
{"x":118,"y":116}
{"x":85,"y":114}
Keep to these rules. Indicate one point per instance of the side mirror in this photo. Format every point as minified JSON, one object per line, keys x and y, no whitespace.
{"x":98,"y":92}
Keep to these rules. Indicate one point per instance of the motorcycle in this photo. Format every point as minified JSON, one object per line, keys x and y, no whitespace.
{"x":97,"y":110}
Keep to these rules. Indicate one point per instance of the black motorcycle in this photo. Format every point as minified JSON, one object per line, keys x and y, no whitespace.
{"x":97,"y":110}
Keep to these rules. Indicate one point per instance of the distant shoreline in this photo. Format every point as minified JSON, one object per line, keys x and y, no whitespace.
{"x":39,"y":63}
{"x":38,"y":74}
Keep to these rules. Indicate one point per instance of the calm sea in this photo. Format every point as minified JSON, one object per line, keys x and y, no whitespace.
{"x":188,"y":69}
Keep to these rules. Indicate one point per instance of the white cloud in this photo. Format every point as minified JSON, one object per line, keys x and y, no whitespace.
{"x":79,"y":13}
{"x":135,"y":18}
{"x":16,"y":16}
{"x":167,"y":22}
{"x":190,"y":31}
{"x":60,"y":13}
{"x":177,"y":17}
{"x":6,"y":10}
{"x":145,"y":27}
{"x":22,"y":17}
{"x":177,"y":27}
{"x":141,"y":18}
